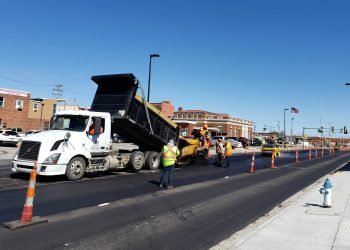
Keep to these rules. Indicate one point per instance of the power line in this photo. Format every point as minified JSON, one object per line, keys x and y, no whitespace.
{"x":27,"y":83}
{"x":56,"y":91}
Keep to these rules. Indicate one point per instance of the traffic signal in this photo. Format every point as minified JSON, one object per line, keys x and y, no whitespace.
{"x":332,"y":129}
{"x":345,"y":130}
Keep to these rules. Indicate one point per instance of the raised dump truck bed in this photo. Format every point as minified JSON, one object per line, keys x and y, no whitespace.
{"x":132,"y":118}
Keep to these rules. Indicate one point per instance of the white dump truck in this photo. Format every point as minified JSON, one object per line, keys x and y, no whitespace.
{"x":81,"y":141}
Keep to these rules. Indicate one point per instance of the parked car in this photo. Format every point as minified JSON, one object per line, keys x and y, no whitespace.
{"x":234,"y":143}
{"x":9,"y":137}
{"x":255,"y":142}
{"x":29,"y":132}
{"x":244,"y":141}
{"x":267,"y":149}
{"x":19,"y":131}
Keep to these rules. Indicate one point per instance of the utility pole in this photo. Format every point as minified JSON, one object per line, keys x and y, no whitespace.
{"x":57,"y":91}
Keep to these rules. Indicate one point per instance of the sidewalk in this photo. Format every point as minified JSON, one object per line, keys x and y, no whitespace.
{"x":302,"y":222}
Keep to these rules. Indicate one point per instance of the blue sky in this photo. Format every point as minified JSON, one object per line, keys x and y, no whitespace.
{"x":248,"y":58}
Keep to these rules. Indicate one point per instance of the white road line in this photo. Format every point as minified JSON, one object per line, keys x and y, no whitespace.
{"x":103,"y":204}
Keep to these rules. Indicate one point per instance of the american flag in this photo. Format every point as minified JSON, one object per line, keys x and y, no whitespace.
{"x":294,"y":110}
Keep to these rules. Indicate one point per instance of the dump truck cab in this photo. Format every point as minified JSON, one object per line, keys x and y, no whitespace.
{"x":68,"y":139}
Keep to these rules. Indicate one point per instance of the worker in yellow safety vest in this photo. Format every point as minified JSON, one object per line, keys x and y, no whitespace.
{"x":228,"y":152}
{"x":204,"y":133}
{"x":169,"y":152}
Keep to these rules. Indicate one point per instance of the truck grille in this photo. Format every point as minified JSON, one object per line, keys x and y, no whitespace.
{"x":29,"y":150}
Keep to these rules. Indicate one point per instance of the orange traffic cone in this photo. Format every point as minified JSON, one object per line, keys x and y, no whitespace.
{"x":27,"y":218}
{"x":273,"y":161}
{"x":28,"y":205}
{"x":251,"y":170}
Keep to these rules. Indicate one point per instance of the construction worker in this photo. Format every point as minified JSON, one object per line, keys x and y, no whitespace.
{"x":206,"y":147}
{"x":169,"y":152}
{"x":228,"y":152}
{"x":204,"y":133}
{"x":220,"y":152}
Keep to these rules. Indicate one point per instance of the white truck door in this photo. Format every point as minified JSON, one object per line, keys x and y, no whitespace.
{"x":97,"y":140}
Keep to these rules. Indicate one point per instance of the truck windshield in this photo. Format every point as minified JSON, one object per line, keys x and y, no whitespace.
{"x":70,"y":122}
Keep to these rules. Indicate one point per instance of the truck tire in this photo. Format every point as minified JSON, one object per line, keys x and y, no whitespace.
{"x":137,"y":160}
{"x":152,"y":160}
{"x":76,"y":168}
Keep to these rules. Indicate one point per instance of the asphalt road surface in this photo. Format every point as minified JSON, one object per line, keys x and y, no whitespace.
{"x":129,"y":211}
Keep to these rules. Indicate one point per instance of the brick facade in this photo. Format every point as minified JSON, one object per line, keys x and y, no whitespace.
{"x":217,"y":123}
{"x":12,"y":115}
{"x":34,"y":114}
{"x":165,"y":107}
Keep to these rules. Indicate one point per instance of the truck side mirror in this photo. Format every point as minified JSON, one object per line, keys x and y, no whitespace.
{"x":67,"y":136}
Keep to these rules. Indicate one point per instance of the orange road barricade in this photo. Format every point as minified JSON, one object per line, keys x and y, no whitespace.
{"x":27,"y":213}
{"x":310,"y":154}
{"x":251,"y":170}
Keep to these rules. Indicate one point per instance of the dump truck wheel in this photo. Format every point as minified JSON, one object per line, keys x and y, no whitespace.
{"x":152,"y":160}
{"x":75,"y":169}
{"x":137,"y":160}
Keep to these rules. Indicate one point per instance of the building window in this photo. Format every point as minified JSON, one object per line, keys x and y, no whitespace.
{"x":189,"y":116}
{"x":19,"y":104}
{"x":220,"y":117}
{"x":210,"y":117}
{"x":199,"y":116}
{"x":46,"y":125}
{"x":2,"y":101}
{"x":35,"y":106}
{"x":54,"y":108}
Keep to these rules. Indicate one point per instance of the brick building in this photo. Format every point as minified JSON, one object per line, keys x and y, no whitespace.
{"x":18,"y":110}
{"x":14,"y":105}
{"x":166,"y":108}
{"x":224,"y":124}
{"x":40,"y":112}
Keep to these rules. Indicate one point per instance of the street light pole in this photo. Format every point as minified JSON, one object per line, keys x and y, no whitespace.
{"x":149,"y":73}
{"x":291,"y":129}
{"x":284,"y":129}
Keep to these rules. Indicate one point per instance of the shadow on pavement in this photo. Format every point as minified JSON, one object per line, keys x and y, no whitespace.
{"x":345,"y":168}
{"x":313,"y":204}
